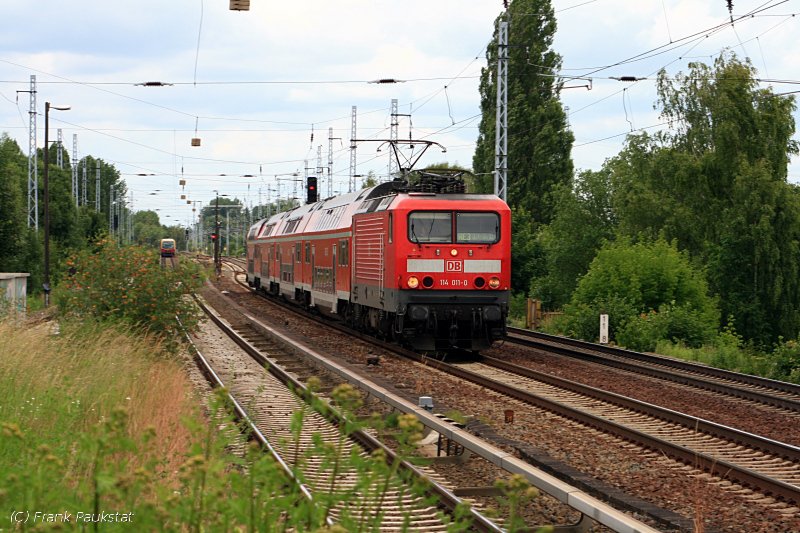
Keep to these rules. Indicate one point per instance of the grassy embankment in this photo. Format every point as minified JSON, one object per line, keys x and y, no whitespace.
{"x":99,"y":426}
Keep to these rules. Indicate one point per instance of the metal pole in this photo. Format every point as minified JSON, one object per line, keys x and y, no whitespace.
{"x":501,"y":127}
{"x":353,"y":160}
{"x":217,"y":264}
{"x":75,"y":185}
{"x":46,"y":283}
{"x":33,"y":166}
{"x":394,"y":164}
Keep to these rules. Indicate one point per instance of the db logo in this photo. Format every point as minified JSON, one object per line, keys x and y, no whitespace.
{"x":453,"y":266}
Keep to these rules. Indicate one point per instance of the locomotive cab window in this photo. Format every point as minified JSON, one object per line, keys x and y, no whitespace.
{"x":430,"y":227}
{"x":480,"y":228}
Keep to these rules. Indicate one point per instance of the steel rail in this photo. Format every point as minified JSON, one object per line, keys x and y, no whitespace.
{"x":707,"y":463}
{"x":574,"y":348}
{"x":241,"y":415}
{"x":577,"y":499}
{"x":447,"y":499}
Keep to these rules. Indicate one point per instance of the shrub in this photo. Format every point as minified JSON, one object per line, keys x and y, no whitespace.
{"x":678,"y":324}
{"x":651,"y":286}
{"x":127,"y":284}
{"x":785,"y":361}
{"x":582,"y":320}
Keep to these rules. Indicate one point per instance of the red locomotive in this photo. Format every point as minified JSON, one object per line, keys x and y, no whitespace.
{"x":429,"y":269}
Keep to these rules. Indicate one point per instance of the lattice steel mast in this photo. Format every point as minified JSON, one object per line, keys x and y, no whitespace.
{"x":394,"y":166}
{"x":353,"y":135}
{"x":33,"y":162}
{"x":75,"y":189}
{"x":501,"y":128}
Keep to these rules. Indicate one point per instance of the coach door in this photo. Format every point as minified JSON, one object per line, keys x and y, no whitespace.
{"x":314,"y":283}
{"x":334,"y":264}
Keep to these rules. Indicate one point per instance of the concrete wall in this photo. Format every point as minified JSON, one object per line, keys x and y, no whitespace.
{"x":13,"y":290}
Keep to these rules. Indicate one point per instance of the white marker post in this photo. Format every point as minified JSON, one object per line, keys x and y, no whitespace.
{"x":603,"y":329}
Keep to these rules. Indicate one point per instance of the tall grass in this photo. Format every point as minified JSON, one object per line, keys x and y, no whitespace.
{"x":95,"y":420}
{"x":57,"y":391}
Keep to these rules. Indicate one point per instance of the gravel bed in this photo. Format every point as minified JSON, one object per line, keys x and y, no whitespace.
{"x":643,"y":474}
{"x":741,"y":414}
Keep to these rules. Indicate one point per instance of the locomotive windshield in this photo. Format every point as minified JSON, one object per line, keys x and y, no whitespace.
{"x":477,"y":228}
{"x":437,"y":227}
{"x":430,"y":226}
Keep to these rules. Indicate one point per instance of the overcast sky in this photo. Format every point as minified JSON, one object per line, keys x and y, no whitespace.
{"x":254,"y":86}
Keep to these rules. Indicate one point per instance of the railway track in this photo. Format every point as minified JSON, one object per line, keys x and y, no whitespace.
{"x":756,"y":463}
{"x":756,"y":469}
{"x":618,"y":521}
{"x":272,"y":407}
{"x":777,"y":394}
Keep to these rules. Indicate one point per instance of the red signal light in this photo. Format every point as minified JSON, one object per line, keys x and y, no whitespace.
{"x":213,"y":236}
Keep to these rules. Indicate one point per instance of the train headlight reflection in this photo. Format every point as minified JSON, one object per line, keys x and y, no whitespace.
{"x":413,"y":282}
{"x":494,"y":282}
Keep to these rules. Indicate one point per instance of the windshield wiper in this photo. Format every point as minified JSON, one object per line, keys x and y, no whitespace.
{"x":414,"y":238}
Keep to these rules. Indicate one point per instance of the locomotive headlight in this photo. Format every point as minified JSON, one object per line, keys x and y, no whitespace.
{"x":413,"y":282}
{"x":454,"y":252}
{"x":494,"y":282}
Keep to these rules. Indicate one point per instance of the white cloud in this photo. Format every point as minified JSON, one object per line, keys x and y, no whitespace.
{"x":346,"y":40}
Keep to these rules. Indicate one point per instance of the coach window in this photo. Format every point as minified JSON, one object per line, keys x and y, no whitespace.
{"x":430,"y":226}
{"x":391,"y":229}
{"x":478,"y":228}
{"x":297,"y":252}
{"x":308,"y":252}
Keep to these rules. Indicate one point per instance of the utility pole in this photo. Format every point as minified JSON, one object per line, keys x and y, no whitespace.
{"x":85,"y":188}
{"x":46,"y":189}
{"x":130,"y":222}
{"x":331,"y":138}
{"x":394,"y":166}
{"x":111,"y":210}
{"x":60,"y":149}
{"x":75,"y":191}
{"x":353,"y":138}
{"x":501,"y":127}
{"x":33,"y":161}
{"x":217,"y":263}
{"x":320,"y":168}
{"x":305,"y":180}
{"x":97,"y":189}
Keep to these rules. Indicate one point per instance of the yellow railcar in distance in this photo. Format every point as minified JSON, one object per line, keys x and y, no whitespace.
{"x":167,"y":247}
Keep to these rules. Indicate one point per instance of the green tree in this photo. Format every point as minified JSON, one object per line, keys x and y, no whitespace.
{"x":13,"y":205}
{"x":583,"y":221}
{"x":717,"y":185}
{"x":539,"y":142}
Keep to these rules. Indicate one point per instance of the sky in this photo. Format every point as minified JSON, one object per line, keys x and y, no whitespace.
{"x":261,"y":88}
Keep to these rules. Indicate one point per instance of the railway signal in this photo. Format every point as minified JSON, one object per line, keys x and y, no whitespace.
{"x":311,"y":190}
